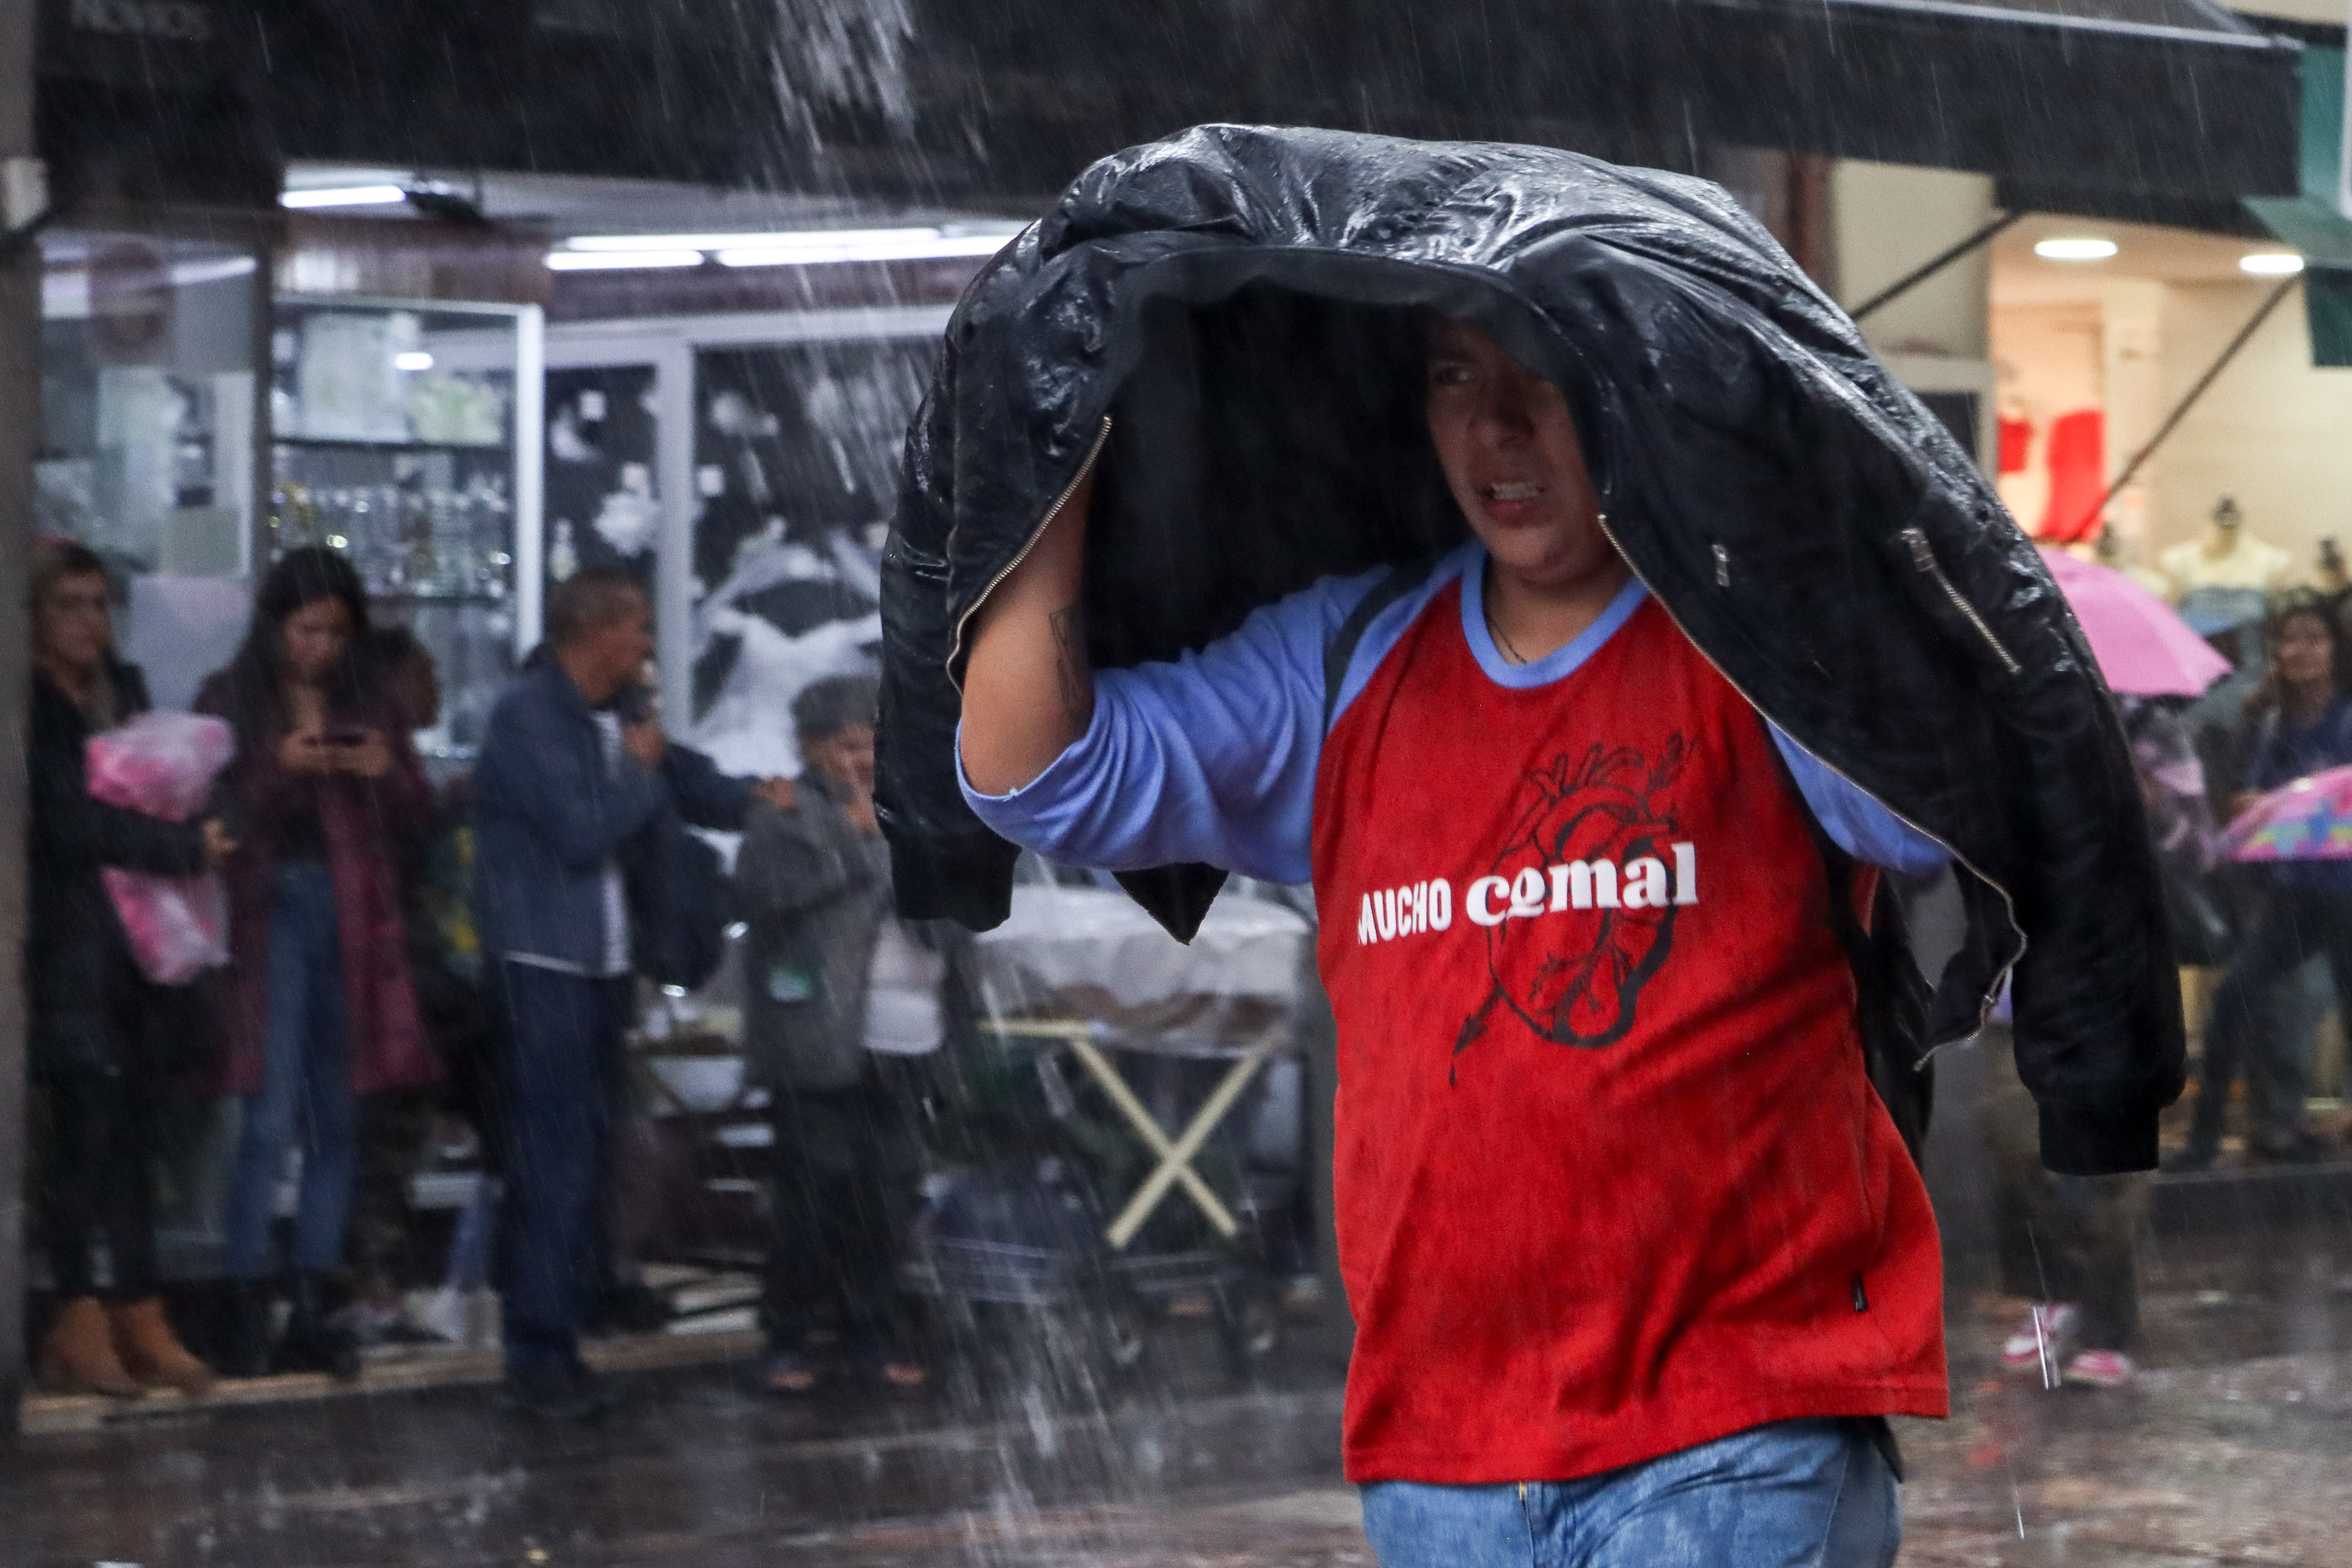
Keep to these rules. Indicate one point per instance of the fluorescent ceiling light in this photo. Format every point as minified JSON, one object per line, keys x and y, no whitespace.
{"x":415,"y":359}
{"x":344,"y":196}
{"x":219,"y":270}
{"x":2075,"y":250}
{"x":2271,"y":264}
{"x":620,"y":261}
{"x":863,"y":250}
{"x":891,"y":240}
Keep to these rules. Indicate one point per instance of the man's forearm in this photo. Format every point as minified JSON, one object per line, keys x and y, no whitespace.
{"x":1028,"y":687}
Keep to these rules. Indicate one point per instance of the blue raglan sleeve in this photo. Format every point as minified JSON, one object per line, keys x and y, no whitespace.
{"x":1209,"y":758}
{"x":1855,"y":821}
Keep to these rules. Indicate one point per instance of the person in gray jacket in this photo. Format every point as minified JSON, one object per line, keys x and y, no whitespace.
{"x":848,"y":1009}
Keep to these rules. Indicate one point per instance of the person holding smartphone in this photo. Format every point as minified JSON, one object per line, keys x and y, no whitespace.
{"x":326,"y":791}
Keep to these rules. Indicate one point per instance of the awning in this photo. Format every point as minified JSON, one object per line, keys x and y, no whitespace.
{"x":2314,"y":221}
{"x":2174,"y":97}
{"x":941,"y":100}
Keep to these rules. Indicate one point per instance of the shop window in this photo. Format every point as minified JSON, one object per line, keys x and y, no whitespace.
{"x":796,"y":450}
{"x":147,"y":433}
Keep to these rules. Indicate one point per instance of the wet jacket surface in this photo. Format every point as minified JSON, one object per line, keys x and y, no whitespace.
{"x":1221,"y":322}
{"x":76,"y":955}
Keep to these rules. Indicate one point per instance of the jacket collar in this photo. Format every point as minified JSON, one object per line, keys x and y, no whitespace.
{"x":558,"y":687}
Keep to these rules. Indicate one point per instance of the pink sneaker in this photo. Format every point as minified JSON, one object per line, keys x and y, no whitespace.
{"x":2040,"y":1340}
{"x":2102,"y":1369}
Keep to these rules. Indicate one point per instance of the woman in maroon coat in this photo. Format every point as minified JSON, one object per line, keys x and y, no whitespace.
{"x":325,"y":794}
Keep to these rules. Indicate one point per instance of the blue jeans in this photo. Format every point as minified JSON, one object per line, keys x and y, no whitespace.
{"x":562,"y":1081}
{"x":306,"y":1088}
{"x":1794,"y":1494}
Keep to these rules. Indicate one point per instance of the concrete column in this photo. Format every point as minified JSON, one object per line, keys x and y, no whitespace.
{"x":20,"y":421}
{"x":2131,"y":355}
{"x":1890,"y":218}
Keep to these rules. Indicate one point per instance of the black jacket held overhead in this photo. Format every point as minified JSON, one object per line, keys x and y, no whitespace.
{"x":1229,"y":315}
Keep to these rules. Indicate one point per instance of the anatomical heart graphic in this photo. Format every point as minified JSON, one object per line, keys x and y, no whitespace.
{"x":1575,"y":975}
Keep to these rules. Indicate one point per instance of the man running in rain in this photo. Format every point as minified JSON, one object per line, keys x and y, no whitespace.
{"x":1639,"y":1262}
{"x":1635,"y":856}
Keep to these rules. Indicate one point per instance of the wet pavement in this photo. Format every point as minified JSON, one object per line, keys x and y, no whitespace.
{"x":2233,"y":1449}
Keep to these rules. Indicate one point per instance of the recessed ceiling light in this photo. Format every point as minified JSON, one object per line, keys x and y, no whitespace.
{"x":2080,"y":248}
{"x":415,"y":359}
{"x":344,"y":196}
{"x":620,"y":261}
{"x":2271,"y":263}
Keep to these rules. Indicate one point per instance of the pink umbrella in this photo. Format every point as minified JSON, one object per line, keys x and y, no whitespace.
{"x":2143,"y":648}
{"x":2310,"y":819}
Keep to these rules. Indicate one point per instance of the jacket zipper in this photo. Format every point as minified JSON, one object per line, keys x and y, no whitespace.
{"x":1924,"y":558}
{"x":1992,"y":996}
{"x":955,"y":653}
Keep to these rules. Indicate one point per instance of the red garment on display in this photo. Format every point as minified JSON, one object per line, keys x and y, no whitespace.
{"x":1612,"y":1181}
{"x":2078,"y":475}
{"x":2016,"y":445}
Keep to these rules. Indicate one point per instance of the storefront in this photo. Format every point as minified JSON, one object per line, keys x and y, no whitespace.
{"x":2221,"y":341}
{"x":243,"y":352}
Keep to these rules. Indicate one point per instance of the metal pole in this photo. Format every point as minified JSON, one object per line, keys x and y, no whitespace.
{"x":1919,"y":275}
{"x":20,"y":421}
{"x":2212,"y":374}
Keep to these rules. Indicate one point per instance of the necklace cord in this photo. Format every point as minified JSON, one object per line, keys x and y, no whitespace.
{"x":1494,"y":627}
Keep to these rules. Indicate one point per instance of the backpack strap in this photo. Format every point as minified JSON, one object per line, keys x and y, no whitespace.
{"x":1340,"y":651}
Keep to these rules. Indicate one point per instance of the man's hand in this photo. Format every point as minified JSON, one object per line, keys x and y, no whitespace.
{"x":1029,"y":686}
{"x":218,"y":845}
{"x":781,"y":794}
{"x":645,"y":741}
{"x":859,"y":809}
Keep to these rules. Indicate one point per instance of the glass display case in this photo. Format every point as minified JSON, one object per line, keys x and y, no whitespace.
{"x":407,"y":435}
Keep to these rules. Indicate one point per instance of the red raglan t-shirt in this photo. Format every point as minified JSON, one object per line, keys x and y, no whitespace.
{"x":1612,"y":1180}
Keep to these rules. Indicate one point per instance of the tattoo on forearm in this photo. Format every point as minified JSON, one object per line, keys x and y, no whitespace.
{"x":1072,"y":671}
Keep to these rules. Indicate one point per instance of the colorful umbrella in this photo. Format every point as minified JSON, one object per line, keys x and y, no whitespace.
{"x":2143,"y":648}
{"x":2310,"y":819}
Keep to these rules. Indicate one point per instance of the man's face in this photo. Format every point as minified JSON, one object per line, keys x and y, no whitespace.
{"x":846,"y":759}
{"x":1511,"y":457}
{"x":618,"y":649}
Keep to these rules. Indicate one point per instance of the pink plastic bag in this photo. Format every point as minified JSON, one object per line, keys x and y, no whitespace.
{"x":164,"y":764}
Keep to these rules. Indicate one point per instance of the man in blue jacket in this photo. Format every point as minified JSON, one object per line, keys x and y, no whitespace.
{"x":572,"y":779}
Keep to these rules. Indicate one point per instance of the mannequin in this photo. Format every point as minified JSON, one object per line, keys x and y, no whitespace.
{"x":2227,"y":557}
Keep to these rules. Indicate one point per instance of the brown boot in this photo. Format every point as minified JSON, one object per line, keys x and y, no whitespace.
{"x":152,"y":1352}
{"x":78,"y":1357}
